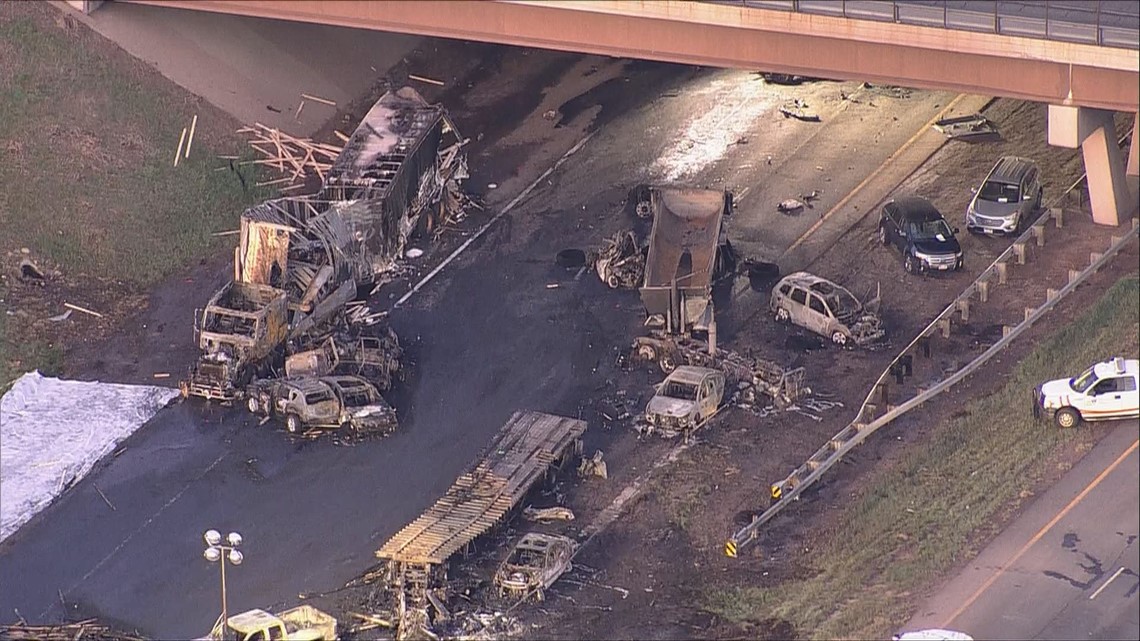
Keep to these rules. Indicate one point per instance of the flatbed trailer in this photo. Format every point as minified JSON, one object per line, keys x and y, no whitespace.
{"x":527,"y":446}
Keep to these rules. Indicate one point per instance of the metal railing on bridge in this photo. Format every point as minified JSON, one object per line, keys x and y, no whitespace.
{"x":1097,"y":22}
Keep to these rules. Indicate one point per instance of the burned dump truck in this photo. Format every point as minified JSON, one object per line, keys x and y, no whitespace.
{"x":688,"y":251}
{"x":398,"y":175}
{"x":239,"y":331}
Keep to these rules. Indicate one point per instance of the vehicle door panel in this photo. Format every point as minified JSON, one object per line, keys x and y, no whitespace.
{"x":818,"y":315}
{"x":1104,"y":401}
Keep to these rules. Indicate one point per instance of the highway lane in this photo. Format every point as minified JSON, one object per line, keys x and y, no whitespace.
{"x":1067,"y":568}
{"x":485,"y":338}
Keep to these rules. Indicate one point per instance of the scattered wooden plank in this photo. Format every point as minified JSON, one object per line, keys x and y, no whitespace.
{"x":190,"y":139}
{"x":181,"y":141}
{"x":83,"y":309}
{"x":323,"y":101}
{"x":429,"y":81}
{"x":230,"y":232}
{"x":340,"y":135}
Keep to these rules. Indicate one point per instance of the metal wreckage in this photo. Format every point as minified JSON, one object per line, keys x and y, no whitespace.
{"x":686,"y":254}
{"x":292,"y":310}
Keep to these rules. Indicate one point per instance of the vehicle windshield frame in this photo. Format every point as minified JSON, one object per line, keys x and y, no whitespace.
{"x":998,"y":192}
{"x":681,"y":390}
{"x":930,"y":229}
{"x":1084,"y":381}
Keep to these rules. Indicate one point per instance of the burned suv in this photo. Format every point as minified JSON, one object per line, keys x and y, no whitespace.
{"x":1008,"y":197}
{"x":825,"y":308}
{"x":327,"y":401}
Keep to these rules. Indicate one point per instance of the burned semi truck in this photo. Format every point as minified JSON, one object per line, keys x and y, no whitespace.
{"x":307,"y":257}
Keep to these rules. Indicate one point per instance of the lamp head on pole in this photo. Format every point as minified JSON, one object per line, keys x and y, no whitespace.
{"x":213,"y":537}
{"x":212,"y":554}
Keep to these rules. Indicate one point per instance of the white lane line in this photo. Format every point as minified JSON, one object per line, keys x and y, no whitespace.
{"x":511,"y":205}
{"x":1110,"y":580}
{"x":132,"y":534}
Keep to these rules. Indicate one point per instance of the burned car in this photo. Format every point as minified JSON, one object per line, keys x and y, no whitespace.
{"x":376,"y":357}
{"x":825,"y":308}
{"x":534,"y":564}
{"x":327,"y":402}
{"x":621,"y":261}
{"x":686,"y":398}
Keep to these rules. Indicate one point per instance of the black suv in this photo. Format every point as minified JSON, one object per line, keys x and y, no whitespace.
{"x":920,"y":232}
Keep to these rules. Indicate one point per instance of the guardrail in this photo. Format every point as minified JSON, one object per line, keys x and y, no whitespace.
{"x":788,"y":490}
{"x":1107,"y":24}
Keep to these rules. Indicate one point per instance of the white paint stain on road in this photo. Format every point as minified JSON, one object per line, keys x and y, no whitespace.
{"x":737,"y":100}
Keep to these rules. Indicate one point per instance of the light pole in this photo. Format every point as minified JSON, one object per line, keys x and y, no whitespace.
{"x":217,"y":552}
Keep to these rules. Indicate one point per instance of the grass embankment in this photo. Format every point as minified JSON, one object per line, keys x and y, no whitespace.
{"x":87,"y":183}
{"x":917,"y":519}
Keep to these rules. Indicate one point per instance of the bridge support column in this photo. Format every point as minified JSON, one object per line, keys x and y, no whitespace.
{"x":1094,"y":132}
{"x":85,"y":6}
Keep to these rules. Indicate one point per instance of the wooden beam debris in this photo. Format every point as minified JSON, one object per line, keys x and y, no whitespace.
{"x":181,"y":141}
{"x":427,"y":80}
{"x":82,"y":309}
{"x":323,"y":101}
{"x":190,"y":138}
{"x":295,"y":157}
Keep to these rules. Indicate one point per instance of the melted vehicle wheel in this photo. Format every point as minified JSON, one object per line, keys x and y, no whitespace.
{"x":293,"y":424}
{"x":839,"y":338}
{"x":667,"y":363}
{"x":782,"y":315}
{"x":883,"y":234}
{"x":1067,"y":418}
{"x":252,"y":404}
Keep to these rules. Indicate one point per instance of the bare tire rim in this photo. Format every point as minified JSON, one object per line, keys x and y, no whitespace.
{"x":292,"y":423}
{"x":839,"y":338}
{"x":883,"y":235}
{"x":252,"y":405}
{"x":782,"y":315}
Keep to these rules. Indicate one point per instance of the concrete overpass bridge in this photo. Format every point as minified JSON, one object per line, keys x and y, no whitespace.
{"x":1082,"y":57}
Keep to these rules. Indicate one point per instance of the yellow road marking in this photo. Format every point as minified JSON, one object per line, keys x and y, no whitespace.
{"x":851,"y":194}
{"x":1040,"y":533}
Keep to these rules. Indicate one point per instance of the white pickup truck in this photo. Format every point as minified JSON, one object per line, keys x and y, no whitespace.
{"x":1104,"y":391}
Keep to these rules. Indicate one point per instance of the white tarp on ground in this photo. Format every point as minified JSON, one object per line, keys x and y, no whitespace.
{"x":52,"y":432}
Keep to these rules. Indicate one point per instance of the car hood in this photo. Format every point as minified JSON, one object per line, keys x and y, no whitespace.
{"x":671,"y":407}
{"x":935,"y":247}
{"x":995,"y":209}
{"x":1059,"y":387}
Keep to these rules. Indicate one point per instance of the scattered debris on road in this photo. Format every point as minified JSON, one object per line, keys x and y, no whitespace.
{"x":620,"y":263}
{"x":973,"y":126}
{"x":85,"y":630}
{"x":556,"y":513}
{"x":791,"y":207}
{"x":798,"y":109}
{"x":593,"y":466}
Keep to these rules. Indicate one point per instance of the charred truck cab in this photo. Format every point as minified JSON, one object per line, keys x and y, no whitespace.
{"x":242,"y":326}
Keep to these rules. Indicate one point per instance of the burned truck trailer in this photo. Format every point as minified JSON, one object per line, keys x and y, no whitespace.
{"x":399,"y":174}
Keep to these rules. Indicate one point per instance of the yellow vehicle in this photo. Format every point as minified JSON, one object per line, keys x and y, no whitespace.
{"x":302,"y":623}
